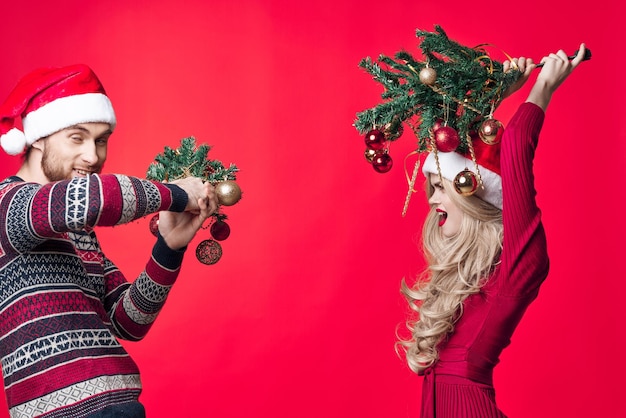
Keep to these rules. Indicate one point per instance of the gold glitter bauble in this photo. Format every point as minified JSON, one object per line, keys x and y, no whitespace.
{"x":369,"y":154}
{"x":228,"y":192}
{"x":428,"y":76}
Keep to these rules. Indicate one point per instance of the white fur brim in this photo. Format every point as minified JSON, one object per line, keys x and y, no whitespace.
{"x":68,"y":111}
{"x":452,"y":163}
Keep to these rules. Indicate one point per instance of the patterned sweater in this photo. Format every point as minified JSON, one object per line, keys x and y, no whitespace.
{"x":63,"y":303}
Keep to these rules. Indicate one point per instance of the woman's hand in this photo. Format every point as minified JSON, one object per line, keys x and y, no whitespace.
{"x":556,"y":68}
{"x":525,"y":66}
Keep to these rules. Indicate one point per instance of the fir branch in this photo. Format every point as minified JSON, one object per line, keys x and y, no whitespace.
{"x":188,"y":160}
{"x":469,"y":86}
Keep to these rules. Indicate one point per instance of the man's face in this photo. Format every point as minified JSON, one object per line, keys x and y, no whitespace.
{"x":77,"y":151}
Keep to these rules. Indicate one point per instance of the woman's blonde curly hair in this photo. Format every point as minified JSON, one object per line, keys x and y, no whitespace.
{"x":457,"y":267}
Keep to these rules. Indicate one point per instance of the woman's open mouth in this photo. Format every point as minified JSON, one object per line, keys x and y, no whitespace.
{"x":443,"y":216}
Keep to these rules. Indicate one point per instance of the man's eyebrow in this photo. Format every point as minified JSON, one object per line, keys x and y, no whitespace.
{"x":85,"y":130}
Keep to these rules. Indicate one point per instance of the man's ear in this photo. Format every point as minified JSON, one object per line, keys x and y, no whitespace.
{"x":39,"y":144}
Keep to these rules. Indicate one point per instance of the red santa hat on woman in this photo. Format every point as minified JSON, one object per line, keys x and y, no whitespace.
{"x":487,"y":162}
{"x":51,"y":99}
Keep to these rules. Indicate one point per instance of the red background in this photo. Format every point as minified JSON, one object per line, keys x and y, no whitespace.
{"x":298,"y":318}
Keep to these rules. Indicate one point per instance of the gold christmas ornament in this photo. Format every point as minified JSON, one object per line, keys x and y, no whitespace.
{"x":228,"y":192}
{"x":491,"y":131}
{"x":428,"y":76}
{"x":369,"y":154}
{"x":466,"y":183}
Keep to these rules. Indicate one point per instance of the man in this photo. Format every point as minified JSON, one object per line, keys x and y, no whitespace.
{"x":63,"y":303}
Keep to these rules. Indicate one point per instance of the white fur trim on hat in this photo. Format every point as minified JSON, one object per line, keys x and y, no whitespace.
{"x":65,"y":112}
{"x":452,"y":163}
{"x":13,"y":142}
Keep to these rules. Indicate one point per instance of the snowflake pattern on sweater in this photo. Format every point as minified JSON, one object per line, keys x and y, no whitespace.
{"x":64,"y":304}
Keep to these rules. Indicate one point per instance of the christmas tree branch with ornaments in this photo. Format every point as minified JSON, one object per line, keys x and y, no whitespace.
{"x":189,"y":160}
{"x":444,"y":96}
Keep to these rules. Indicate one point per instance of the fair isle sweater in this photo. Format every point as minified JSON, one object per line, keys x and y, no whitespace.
{"x":64,"y":304}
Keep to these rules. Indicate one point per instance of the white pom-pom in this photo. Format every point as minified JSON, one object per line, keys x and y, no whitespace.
{"x":13,"y":142}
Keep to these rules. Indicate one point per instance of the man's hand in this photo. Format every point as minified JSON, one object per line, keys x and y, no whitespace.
{"x":178,"y":229}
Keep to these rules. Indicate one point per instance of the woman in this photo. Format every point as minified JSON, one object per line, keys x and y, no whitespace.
{"x":486,"y":255}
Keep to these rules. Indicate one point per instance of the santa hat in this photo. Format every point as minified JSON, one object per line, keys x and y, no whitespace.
{"x":51,"y":99}
{"x":487,"y":160}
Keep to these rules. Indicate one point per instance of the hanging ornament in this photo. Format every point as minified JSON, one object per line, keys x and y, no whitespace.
{"x":209,"y":252}
{"x":382,"y":162}
{"x":228,"y":192}
{"x":375,"y":139}
{"x":438,"y":124}
{"x":428,"y":76}
{"x":466,"y":183}
{"x":219,"y":230}
{"x":154,"y":224}
{"x":369,"y":154}
{"x":447,"y":139}
{"x":491,"y":131}
{"x":393,"y":130}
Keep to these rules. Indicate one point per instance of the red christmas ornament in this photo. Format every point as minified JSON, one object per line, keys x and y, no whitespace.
{"x":220,"y":230}
{"x":154,"y":224}
{"x":491,"y":131}
{"x":447,"y":139}
{"x":382,"y":162}
{"x":375,"y":139}
{"x":438,"y":124}
{"x":209,"y":252}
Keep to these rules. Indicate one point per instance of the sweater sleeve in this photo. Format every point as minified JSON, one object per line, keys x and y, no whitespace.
{"x":32,"y":213}
{"x":133,"y":308}
{"x":524,"y":255}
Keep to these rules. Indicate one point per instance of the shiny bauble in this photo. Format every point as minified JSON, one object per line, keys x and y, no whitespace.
{"x":447,"y":139}
{"x":393,"y":130}
{"x":428,"y":76}
{"x":491,"y":131}
{"x":219,"y":230}
{"x":369,"y":154}
{"x":438,"y":124}
{"x":466,"y":183}
{"x":375,"y":139}
{"x":209,"y":252}
{"x":154,"y":225}
{"x":228,"y":192}
{"x":382,"y":162}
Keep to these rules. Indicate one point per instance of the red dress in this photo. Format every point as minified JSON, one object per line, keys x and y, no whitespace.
{"x":460,"y":384}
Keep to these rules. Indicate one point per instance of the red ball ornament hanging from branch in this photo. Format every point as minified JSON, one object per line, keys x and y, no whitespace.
{"x":154,"y":225}
{"x":382,"y":162}
{"x":375,"y":139}
{"x":446,"y":139}
{"x":219,"y":230}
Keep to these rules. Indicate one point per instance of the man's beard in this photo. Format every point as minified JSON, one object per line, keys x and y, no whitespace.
{"x":53,"y":168}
